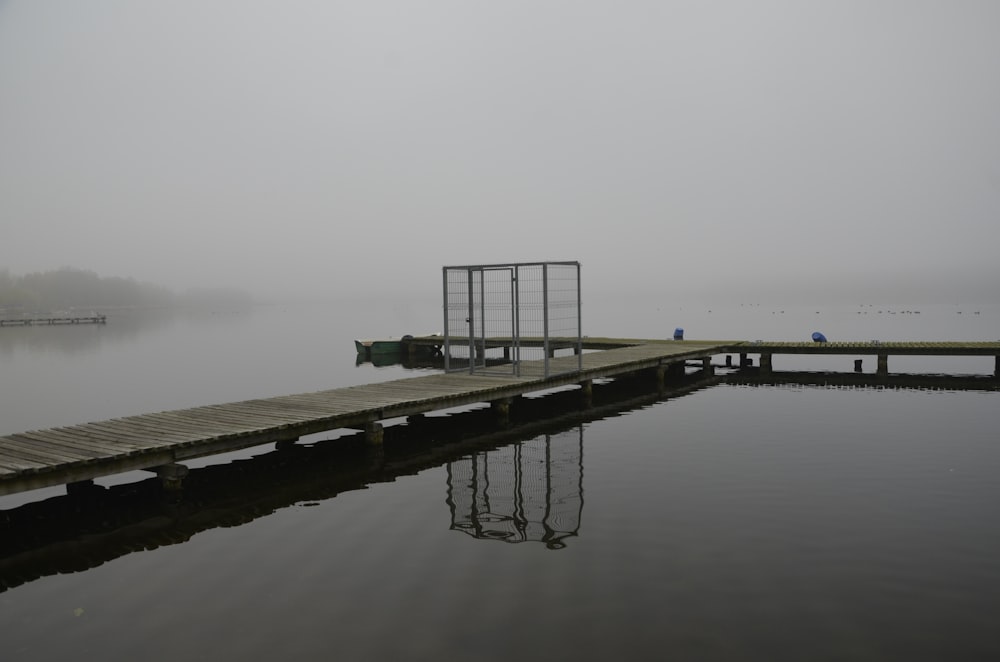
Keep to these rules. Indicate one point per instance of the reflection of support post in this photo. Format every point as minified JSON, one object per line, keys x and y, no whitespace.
{"x":883,"y":364}
{"x":765,"y":364}
{"x":79,"y":487}
{"x":374,"y":433}
{"x":587,"y":392}
{"x":501,"y":411}
{"x":171,"y":476}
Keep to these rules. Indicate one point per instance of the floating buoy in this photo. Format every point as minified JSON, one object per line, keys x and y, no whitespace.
{"x":818,"y":337}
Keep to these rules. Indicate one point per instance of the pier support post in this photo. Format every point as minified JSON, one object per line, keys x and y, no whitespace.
{"x":745,"y":362}
{"x":675,"y":371}
{"x":883,"y":365}
{"x":374,"y":433}
{"x":996,"y":366}
{"x":706,"y":365}
{"x":171,"y":476}
{"x":857,"y":365}
{"x":765,"y":364}
{"x":501,"y":411}
{"x":587,"y":392}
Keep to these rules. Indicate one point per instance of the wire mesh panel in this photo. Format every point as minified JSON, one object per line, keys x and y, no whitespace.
{"x":528,"y":491}
{"x":498,"y":316}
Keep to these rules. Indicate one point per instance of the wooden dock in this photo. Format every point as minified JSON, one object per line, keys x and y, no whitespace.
{"x":161,"y":441}
{"x":53,"y":321}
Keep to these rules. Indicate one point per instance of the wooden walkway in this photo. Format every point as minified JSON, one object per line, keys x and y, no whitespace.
{"x":41,"y":458}
{"x":160,"y":441}
{"x":51,"y":321}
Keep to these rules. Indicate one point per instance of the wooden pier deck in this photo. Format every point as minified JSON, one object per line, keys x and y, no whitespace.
{"x":161,"y":441}
{"x":54,"y":320}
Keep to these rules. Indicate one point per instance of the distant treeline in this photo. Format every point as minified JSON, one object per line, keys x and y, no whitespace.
{"x":76,"y":288}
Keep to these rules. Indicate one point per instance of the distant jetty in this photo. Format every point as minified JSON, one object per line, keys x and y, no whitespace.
{"x":54,"y":320}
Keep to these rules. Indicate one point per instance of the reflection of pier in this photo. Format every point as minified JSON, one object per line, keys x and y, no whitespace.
{"x":95,"y":524}
{"x":528,"y":491}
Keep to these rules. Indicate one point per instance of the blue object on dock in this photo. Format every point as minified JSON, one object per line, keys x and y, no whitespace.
{"x":678,"y":333}
{"x":818,"y":337}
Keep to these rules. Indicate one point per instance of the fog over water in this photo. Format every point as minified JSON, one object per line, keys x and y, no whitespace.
{"x":842,"y":151}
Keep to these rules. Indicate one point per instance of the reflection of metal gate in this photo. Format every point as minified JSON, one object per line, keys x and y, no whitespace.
{"x":498,"y":315}
{"x":529,"y":491}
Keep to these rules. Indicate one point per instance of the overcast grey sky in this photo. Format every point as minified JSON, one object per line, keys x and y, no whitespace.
{"x":724,"y":147}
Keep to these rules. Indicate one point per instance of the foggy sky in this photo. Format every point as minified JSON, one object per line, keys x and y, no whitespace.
{"x":740,"y":149}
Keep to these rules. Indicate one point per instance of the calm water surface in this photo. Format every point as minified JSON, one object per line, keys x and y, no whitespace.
{"x":733,"y":523}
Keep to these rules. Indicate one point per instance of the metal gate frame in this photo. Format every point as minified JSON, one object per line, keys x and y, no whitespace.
{"x":490,"y":307}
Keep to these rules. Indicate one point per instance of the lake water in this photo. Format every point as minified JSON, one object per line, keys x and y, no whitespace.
{"x":734,"y":522}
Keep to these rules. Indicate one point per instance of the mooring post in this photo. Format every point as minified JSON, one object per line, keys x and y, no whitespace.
{"x":171,"y":476}
{"x":501,"y":410}
{"x":883,"y":364}
{"x":765,"y":363}
{"x":374,"y":433}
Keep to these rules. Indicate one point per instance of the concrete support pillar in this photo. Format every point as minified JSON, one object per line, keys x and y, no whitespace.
{"x":374,"y":433}
{"x":857,"y":365}
{"x":706,"y":366}
{"x":171,"y":476}
{"x":501,"y":411}
{"x":765,"y":363}
{"x":996,"y":366}
{"x":883,"y":364}
{"x":729,"y":360}
{"x":745,"y":361}
{"x":661,"y":378}
{"x":587,"y":392}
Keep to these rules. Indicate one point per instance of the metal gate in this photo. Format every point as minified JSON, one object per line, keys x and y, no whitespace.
{"x":497,"y":316}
